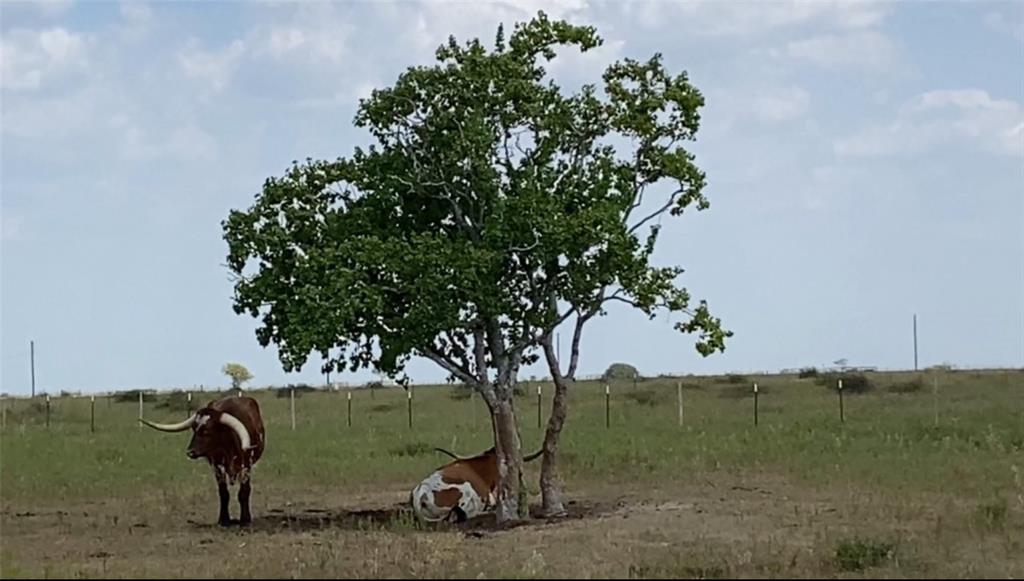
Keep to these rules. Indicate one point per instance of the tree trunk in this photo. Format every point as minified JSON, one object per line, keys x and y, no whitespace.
{"x":550,"y":487}
{"x":510,"y":458}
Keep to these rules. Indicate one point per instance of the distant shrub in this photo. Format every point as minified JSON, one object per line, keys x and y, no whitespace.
{"x":860,"y":554}
{"x":852,"y":382}
{"x":461,"y":392}
{"x":300,"y":388}
{"x":34,"y":412}
{"x":733,"y":378}
{"x":620,"y":371}
{"x":741,"y":390}
{"x":807,"y":372}
{"x":133,"y":395}
{"x":648,"y":397}
{"x":912,"y":386}
{"x":176,"y":401}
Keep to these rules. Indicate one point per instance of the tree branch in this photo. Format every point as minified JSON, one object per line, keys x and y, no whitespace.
{"x":480,"y":347}
{"x":656,"y":213}
{"x":449,"y":366}
{"x":633,"y":303}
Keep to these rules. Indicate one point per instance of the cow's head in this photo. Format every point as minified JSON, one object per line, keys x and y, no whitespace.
{"x":210,"y":428}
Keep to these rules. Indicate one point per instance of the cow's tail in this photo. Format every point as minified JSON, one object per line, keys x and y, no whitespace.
{"x":443,"y":451}
{"x":528,"y":458}
{"x":533,"y":456}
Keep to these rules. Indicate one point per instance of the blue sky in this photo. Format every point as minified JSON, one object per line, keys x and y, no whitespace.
{"x":865,"y":162}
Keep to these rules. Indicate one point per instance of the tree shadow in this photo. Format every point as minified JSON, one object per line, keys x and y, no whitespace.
{"x":396,"y":518}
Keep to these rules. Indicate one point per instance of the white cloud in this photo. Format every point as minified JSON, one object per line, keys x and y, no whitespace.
{"x":192,"y":143}
{"x":348,"y":97}
{"x":188,"y":142}
{"x":137,"y":21}
{"x":587,"y":65}
{"x":283,"y":40}
{"x":212,"y":67}
{"x":29,"y":59}
{"x":1000,"y":23}
{"x":717,"y":18}
{"x":319,"y":43}
{"x":467,"y":20}
{"x":312,"y":34}
{"x":775,"y":106}
{"x":53,"y":8}
{"x":57,"y":118}
{"x":936,"y":118}
{"x":863,"y":50}
{"x":10,"y":227}
{"x":743,"y":106}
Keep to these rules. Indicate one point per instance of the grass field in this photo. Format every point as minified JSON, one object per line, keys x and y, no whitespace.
{"x":915,"y":483}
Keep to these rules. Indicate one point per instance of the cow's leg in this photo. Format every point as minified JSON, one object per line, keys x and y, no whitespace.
{"x":225,"y":497}
{"x":244,"y":491}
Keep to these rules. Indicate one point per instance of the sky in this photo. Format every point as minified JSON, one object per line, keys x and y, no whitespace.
{"x":864,"y":160}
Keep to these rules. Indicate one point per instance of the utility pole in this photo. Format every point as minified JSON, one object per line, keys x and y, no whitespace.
{"x":32,"y":358}
{"x":915,"y":341}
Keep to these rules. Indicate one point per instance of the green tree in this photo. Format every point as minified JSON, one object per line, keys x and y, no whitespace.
{"x":621,"y":371}
{"x":238,"y":374}
{"x":491,"y":209}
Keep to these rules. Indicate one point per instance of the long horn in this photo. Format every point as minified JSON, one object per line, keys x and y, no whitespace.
{"x":233,"y":423}
{"x":171,"y":427}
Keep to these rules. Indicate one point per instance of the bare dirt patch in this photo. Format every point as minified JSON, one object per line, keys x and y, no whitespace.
{"x":718,"y":526}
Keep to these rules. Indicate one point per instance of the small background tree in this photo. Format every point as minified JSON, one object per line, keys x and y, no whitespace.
{"x":621,"y":371}
{"x":238,"y":374}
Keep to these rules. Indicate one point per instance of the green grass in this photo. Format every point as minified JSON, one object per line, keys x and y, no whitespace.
{"x":860,"y":554}
{"x":888,"y":439}
{"x":947,"y":460}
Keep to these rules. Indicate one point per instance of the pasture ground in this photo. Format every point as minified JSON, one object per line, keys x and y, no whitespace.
{"x":914,"y":484}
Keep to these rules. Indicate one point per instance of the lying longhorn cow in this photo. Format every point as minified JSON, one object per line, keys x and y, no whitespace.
{"x":462,"y":489}
{"x":229,"y":433}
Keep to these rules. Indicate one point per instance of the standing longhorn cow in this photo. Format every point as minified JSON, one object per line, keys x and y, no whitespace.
{"x":462,"y":489}
{"x":229,"y":433}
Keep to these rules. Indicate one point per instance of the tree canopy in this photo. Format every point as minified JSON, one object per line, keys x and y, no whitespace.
{"x":490,"y":208}
{"x":238,"y":374}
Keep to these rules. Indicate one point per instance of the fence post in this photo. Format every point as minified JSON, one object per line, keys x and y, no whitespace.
{"x":92,"y":414}
{"x":140,"y":409}
{"x":47,"y":411}
{"x":189,"y":403}
{"x":350,"y":408}
{"x":935,"y":398}
{"x":607,"y":406}
{"x":292,"y":396}
{"x":755,"y":403}
{"x":842,"y":414}
{"x":538,"y":405}
{"x":679,"y":389}
{"x":3,"y":413}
